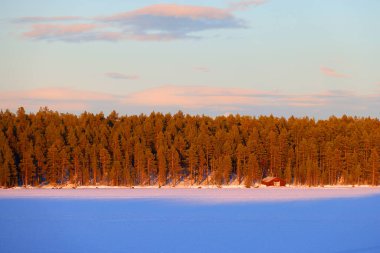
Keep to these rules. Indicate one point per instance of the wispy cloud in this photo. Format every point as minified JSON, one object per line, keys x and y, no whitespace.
{"x":172,"y":21}
{"x":159,"y":22}
{"x":214,"y":100}
{"x":202,"y":69}
{"x":62,"y":99}
{"x":174,"y":10}
{"x":37,"y":19}
{"x":115,"y":75}
{"x":243,"y":5}
{"x":70,"y":33}
{"x":57,"y":94}
{"x":197,"y":99}
{"x":332,"y":73}
{"x":214,"y":97}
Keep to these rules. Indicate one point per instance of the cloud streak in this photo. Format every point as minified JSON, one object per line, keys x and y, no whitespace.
{"x":197,"y":100}
{"x":216,"y":100}
{"x":62,"y":99}
{"x":202,"y":69}
{"x":115,"y":75}
{"x":213,"y":97}
{"x":70,"y":33}
{"x":243,"y":5}
{"x":47,"y":19}
{"x":54,"y":31}
{"x":158,"y":22}
{"x":332,"y":73}
{"x":174,"y":10}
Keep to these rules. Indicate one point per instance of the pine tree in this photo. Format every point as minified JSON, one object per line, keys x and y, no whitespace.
{"x":174,"y":166}
{"x":52,"y":164}
{"x":227,"y":169}
{"x":94,"y":164}
{"x":162,"y":166}
{"x":375,"y":166}
{"x":127,"y":169}
{"x":192,"y":162}
{"x":7,"y":167}
{"x":64,"y":164}
{"x":288,"y":172}
{"x":105,"y":163}
{"x":27,"y":167}
{"x":150,"y":165}
{"x":253,"y":171}
{"x":240,"y":162}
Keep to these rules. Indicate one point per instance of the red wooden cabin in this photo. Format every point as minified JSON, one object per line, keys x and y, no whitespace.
{"x":273,"y":181}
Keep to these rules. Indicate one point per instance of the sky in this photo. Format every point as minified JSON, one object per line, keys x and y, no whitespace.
{"x":313,"y":58}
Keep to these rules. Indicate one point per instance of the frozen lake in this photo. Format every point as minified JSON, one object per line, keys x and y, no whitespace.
{"x":190,"y":220}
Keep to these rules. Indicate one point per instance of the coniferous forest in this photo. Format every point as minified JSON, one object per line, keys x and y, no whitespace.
{"x":48,"y":147}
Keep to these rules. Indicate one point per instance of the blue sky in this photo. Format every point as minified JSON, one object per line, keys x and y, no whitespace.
{"x":280,"y":57}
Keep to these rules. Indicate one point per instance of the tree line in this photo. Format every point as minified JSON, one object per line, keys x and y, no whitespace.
{"x":53,"y":148}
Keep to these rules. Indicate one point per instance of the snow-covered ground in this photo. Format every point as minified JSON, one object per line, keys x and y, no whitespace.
{"x":203,"y":195}
{"x":336,"y":220}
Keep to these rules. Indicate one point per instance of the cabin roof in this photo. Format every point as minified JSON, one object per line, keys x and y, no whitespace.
{"x":268,"y":179}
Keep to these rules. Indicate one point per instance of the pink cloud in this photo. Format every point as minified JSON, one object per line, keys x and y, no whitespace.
{"x":158,"y":22}
{"x":39,"y":30}
{"x":203,"y":99}
{"x":65,"y":94}
{"x":332,"y":73}
{"x":34,"y":106}
{"x":175,"y":10}
{"x":72,"y":32}
{"x":63,"y":99}
{"x":162,"y":22}
{"x":199,"y":96}
{"x":56,"y":94}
